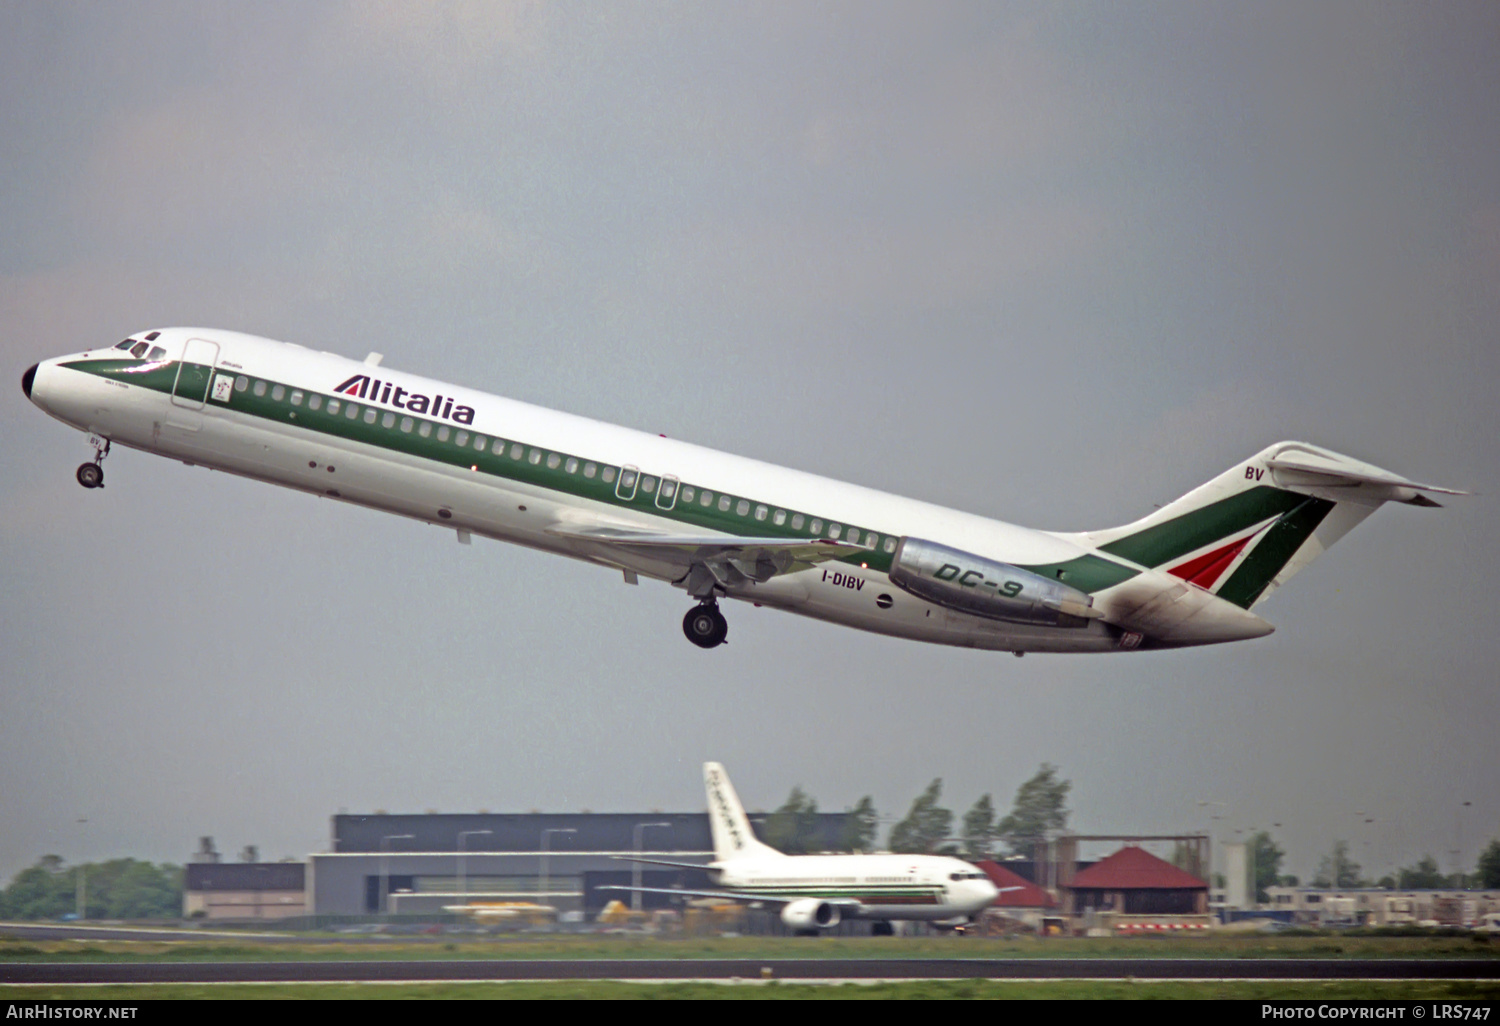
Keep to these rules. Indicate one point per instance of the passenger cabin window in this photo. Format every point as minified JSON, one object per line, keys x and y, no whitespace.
{"x":462,"y":438}
{"x":296,"y":397}
{"x":534,"y":457}
{"x":608,"y":475}
{"x":590,"y":469}
{"x":479,"y":442}
{"x":313,"y":402}
{"x":648,"y":484}
{"x":760,"y":512}
{"x":706,"y":499}
{"x":724,"y":501}
{"x":498,"y":447}
{"x":387,"y":420}
{"x":853,"y":536}
{"x":833,"y":530}
{"x":517,"y":451}
{"x":779,"y":518}
{"x":278,"y":393}
{"x":687,"y":493}
{"x":351,"y":411}
{"x":241,"y":383}
{"x":797,"y":521}
{"x":259,"y":389}
{"x":425,"y":428}
{"x":443,"y":432}
{"x":571,"y":466}
{"x":742,"y":507}
{"x":553,"y":461}
{"x":816,"y":527}
{"x":890,"y":545}
{"x":627,"y":480}
{"x":406,"y":424}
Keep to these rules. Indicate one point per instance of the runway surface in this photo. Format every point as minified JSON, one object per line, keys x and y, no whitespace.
{"x":727,"y":969}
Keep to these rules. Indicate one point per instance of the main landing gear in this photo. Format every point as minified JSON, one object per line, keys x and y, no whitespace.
{"x":91,"y":475}
{"x":704,"y":625}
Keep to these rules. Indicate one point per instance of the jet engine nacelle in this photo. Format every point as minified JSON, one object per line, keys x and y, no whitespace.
{"x":810,"y":914}
{"x":972,"y":584}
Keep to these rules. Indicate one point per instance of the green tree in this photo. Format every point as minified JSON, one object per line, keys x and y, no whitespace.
{"x":793,"y":828}
{"x":1040,"y":808}
{"x":1267,"y":855}
{"x":42,"y":891}
{"x":1488,"y":869}
{"x":117,"y":889}
{"x":1424,"y":875}
{"x":860,"y":826}
{"x":1337,"y":869}
{"x":925,"y":826}
{"x":979,"y":829}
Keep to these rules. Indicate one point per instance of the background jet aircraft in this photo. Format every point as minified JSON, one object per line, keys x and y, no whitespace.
{"x":816,"y":892}
{"x":710,"y":523}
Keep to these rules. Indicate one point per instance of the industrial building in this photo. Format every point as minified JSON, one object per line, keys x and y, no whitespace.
{"x":416,"y":864}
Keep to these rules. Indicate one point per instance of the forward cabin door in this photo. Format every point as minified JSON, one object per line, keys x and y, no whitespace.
{"x":194,"y":372}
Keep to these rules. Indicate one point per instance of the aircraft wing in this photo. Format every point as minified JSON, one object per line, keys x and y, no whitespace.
{"x":664,"y":862}
{"x":702,"y":561}
{"x":749,"y":899}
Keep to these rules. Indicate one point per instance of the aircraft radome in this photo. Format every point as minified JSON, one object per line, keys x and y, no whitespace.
{"x":714,"y":524}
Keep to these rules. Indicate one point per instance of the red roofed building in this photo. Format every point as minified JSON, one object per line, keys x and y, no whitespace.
{"x":1135,"y":882}
{"x":1027,"y":894}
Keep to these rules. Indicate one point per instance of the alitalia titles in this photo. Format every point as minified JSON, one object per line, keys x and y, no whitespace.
{"x":387,"y":394}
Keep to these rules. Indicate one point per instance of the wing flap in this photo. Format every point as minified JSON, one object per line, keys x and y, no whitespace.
{"x":706,"y":561}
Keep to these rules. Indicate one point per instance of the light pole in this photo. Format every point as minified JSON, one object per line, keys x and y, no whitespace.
{"x":546,"y":836}
{"x":83,"y":882}
{"x":635,"y":871}
{"x":463,"y":876}
{"x":1213,"y":817}
{"x":385,"y":868}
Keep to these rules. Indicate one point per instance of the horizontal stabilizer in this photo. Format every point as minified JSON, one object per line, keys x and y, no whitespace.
{"x":1307,"y":467}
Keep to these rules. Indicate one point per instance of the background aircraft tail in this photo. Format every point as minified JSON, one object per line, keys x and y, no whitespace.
{"x":733,"y":838}
{"x":1246,"y":532}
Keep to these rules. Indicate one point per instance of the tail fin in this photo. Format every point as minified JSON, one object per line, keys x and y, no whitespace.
{"x":1246,"y":532}
{"x":733,"y":838}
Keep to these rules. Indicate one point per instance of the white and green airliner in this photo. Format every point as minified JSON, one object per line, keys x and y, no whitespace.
{"x":817,"y":892}
{"x":716,"y":525}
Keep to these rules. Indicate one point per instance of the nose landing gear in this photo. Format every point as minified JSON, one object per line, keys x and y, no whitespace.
{"x":705,"y":626}
{"x":91,"y":475}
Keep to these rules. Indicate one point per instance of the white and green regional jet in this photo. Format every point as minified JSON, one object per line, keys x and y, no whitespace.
{"x":715,"y":525}
{"x":817,"y":892}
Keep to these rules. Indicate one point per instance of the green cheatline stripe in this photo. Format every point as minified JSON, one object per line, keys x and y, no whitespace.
{"x":1088,"y":573}
{"x":1274,"y":551}
{"x":1197,"y":528}
{"x":163,"y":377}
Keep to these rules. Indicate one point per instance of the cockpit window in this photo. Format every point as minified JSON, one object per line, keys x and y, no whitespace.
{"x":139,"y":349}
{"x":153,"y":336}
{"x":126,"y":344}
{"x":157,"y":353}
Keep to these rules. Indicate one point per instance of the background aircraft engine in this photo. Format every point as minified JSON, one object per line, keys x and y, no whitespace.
{"x":809,"y":914}
{"x":972,"y":584}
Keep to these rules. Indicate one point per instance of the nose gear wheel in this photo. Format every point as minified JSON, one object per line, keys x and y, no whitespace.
{"x":91,"y":475}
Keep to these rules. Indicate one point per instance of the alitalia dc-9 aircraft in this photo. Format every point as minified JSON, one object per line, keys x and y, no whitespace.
{"x":710,"y":523}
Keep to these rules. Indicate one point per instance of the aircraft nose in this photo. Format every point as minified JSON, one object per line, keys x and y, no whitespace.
{"x":28,"y":378}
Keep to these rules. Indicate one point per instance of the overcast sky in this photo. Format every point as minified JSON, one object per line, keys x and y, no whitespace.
{"x":1052,"y":263}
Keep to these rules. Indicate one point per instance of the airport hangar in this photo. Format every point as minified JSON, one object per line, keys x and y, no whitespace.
{"x":414,"y":864}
